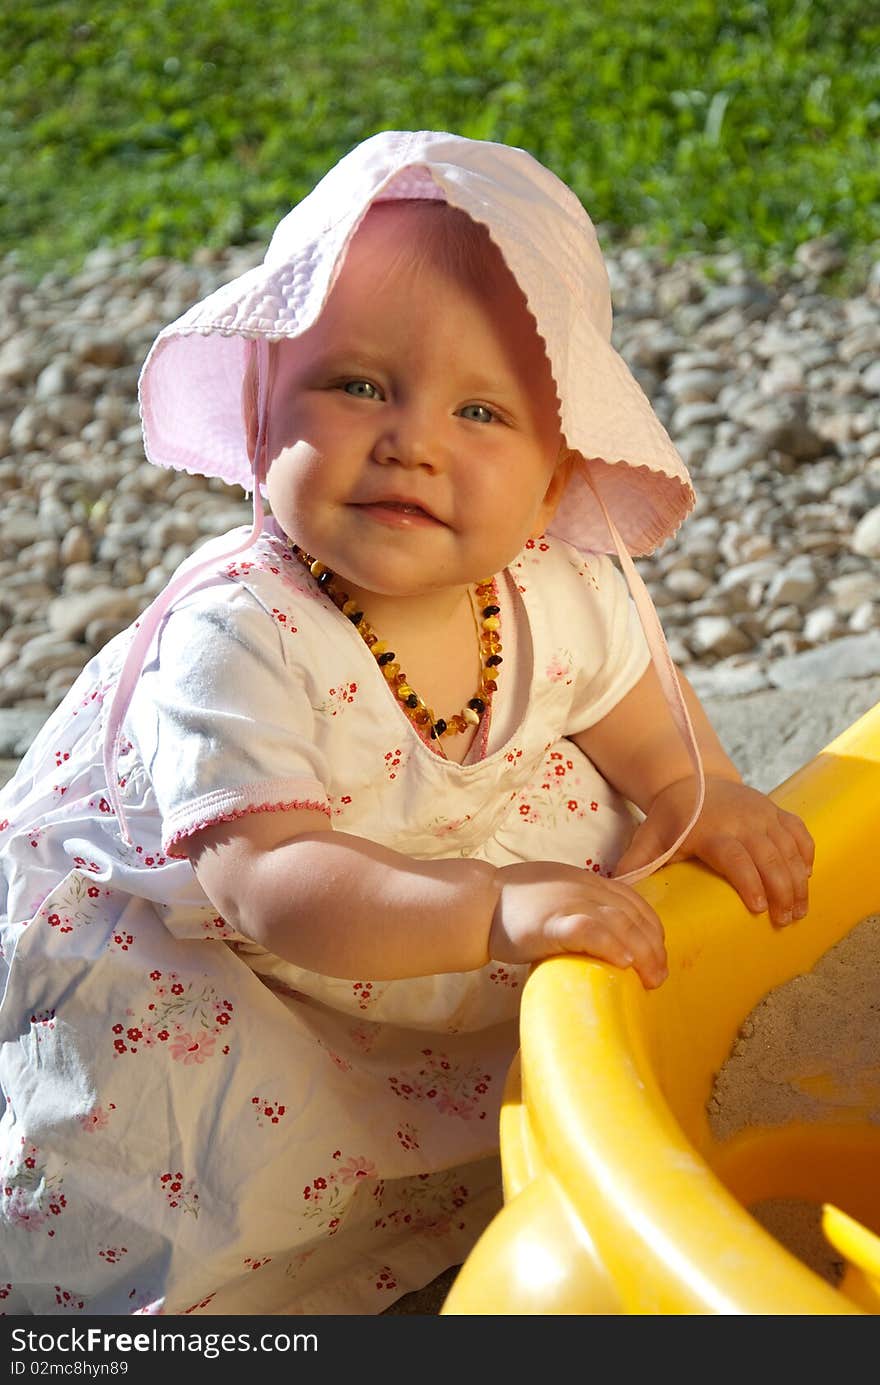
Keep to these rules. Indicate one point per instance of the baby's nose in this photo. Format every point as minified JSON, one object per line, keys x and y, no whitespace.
{"x":411,"y":438}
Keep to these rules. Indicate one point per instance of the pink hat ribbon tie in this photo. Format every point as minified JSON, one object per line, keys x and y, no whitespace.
{"x":150,"y":621}
{"x":668,"y":681}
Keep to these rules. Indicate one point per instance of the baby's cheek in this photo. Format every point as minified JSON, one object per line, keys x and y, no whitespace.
{"x":281,"y":435}
{"x":291,"y":467}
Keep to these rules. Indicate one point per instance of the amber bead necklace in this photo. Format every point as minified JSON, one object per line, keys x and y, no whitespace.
{"x":486,"y":610}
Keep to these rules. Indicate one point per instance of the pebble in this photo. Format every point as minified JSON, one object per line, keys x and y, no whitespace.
{"x":770,"y":391}
{"x":866,"y":538}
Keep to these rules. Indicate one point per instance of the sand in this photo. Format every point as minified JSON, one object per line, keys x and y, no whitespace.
{"x":808,"y":1051}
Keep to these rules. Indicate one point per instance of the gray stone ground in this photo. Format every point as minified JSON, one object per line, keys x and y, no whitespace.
{"x":768,"y":735}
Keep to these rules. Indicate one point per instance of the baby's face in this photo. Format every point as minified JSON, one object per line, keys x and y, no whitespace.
{"x":413,"y":433}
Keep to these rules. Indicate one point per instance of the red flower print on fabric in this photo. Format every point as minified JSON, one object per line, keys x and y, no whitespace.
{"x":408,"y":1136}
{"x":355,"y":1169}
{"x":338,"y":806}
{"x":268,"y":1112}
{"x":238,"y":569}
{"x":363,"y":993}
{"x":453,"y":1089}
{"x":559,"y":668}
{"x":148,"y":859}
{"x":31,"y":1197}
{"x":113,"y":1254}
{"x":502,"y":977}
{"x":217,"y":927}
{"x":187,"y":1048}
{"x":97,"y":1118}
{"x":393,"y":761}
{"x":338,"y":699}
{"x":429,"y":1204}
{"x":445,"y":827}
{"x":554,"y":802}
{"x":65,"y":1299}
{"x":188,"y":1018}
{"x":534,"y":548}
{"x":326,"y":1198}
{"x":179,"y":1193}
{"x":284,"y":620}
{"x":77,"y":902}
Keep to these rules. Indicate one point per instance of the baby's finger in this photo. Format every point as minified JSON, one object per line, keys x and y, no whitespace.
{"x":730,"y":858}
{"x":640,"y":929}
{"x":647,"y":930}
{"x":789,"y":850}
{"x":804,"y":842}
{"x":614,"y":936}
{"x":783,"y":875}
{"x":624,"y":943}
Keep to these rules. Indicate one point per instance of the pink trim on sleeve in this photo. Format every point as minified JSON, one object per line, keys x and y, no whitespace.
{"x":184,"y":832}
{"x":167,"y":846}
{"x":225,"y":805}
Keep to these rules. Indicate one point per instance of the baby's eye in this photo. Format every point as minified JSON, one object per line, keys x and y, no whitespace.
{"x":477,"y":413}
{"x":361,"y":389}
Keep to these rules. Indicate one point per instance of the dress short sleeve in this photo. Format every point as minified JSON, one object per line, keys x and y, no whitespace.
{"x":613,"y":652}
{"x":223,"y":719}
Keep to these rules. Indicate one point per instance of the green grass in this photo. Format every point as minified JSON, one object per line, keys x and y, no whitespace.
{"x":753,"y":124}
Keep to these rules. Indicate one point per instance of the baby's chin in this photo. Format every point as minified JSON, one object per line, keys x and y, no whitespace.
{"x":402,"y":591}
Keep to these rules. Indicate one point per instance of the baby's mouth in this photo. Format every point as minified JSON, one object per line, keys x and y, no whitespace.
{"x":402,"y":511}
{"x":403,"y":506}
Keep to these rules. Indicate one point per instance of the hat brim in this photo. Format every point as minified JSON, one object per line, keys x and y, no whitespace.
{"x":190,"y":388}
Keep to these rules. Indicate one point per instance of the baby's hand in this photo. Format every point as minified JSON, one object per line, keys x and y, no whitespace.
{"x":765,"y":852}
{"x":546,"y":908}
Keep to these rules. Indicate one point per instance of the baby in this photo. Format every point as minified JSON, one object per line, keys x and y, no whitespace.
{"x":277,"y":867}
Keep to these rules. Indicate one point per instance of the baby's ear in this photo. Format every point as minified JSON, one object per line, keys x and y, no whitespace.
{"x":565,"y":464}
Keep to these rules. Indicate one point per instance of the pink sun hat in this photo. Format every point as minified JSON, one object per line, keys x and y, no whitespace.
{"x":190,"y":387}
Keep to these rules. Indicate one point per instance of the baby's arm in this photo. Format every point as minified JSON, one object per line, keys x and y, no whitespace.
{"x":346,"y":907}
{"x":764,"y":852}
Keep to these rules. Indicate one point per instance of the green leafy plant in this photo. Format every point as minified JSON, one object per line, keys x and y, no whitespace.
{"x":693,"y":125}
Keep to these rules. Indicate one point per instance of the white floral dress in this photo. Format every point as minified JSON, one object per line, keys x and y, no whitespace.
{"x":192,"y":1125}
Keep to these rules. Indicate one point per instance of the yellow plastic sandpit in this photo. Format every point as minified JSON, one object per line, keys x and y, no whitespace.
{"x":618,"y":1197}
